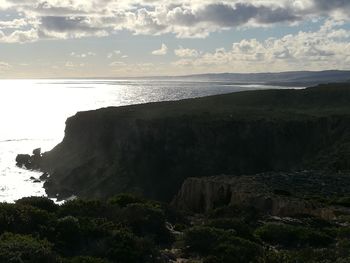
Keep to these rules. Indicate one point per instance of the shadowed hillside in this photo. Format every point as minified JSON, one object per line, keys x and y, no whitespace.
{"x":152,"y":148}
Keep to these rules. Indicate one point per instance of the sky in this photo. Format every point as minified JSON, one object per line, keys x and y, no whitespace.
{"x":125,"y":38}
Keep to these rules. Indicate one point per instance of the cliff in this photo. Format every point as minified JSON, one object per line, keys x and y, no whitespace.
{"x":152,"y":148}
{"x":278,"y":194}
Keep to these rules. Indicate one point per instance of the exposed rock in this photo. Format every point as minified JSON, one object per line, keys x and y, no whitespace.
{"x":37,"y":152}
{"x":22,"y":159}
{"x":259,"y":191}
{"x":151,"y":149}
{"x":44,"y":176}
{"x":32,"y":162}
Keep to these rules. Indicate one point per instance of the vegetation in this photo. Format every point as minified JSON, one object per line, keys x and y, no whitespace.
{"x":131,"y":229}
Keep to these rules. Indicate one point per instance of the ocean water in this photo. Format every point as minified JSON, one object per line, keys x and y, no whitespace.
{"x":33,"y":114}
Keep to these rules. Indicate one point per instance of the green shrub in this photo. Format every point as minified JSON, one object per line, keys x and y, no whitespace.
{"x":146,"y":220}
{"x":220,"y":245}
{"x":85,"y":260}
{"x":344,"y":232}
{"x":292,"y":236}
{"x":125,"y":247}
{"x":84,"y":208}
{"x":122,"y":200}
{"x":25,"y":220}
{"x":68,"y":236}
{"x":247,"y":214}
{"x":201,"y":239}
{"x":16,"y":248}
{"x":241,"y":228}
{"x":42,"y":203}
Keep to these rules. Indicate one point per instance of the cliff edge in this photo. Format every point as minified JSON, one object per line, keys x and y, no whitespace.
{"x":152,"y":148}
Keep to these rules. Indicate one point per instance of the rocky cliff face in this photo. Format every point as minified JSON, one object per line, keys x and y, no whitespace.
{"x":277,"y":194}
{"x":153,"y":148}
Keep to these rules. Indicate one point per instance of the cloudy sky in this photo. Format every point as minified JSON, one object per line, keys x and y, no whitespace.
{"x":105,"y":38}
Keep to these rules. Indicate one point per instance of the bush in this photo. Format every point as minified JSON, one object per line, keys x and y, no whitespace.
{"x":84,"y":208}
{"x":292,"y":236}
{"x":241,"y":228}
{"x":68,"y":236}
{"x":201,"y":239}
{"x":85,"y":260}
{"x":25,"y":249}
{"x":146,"y":220}
{"x":124,"y":247}
{"x":122,"y":200}
{"x":25,"y":220}
{"x":42,"y":203}
{"x":223,"y":246}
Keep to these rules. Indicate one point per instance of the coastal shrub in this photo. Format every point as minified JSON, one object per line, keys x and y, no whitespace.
{"x":83,"y":259}
{"x":247,"y":214}
{"x":122,"y":200}
{"x":125,"y":247}
{"x":344,"y":201}
{"x":146,"y":220}
{"x":201,"y":239}
{"x":292,"y":236}
{"x":68,"y":236}
{"x":241,"y":228}
{"x":84,"y":208}
{"x":221,"y":245}
{"x":24,"y":219}
{"x":344,"y":233}
{"x":343,"y":248}
{"x":40,"y":202}
{"x":16,"y":248}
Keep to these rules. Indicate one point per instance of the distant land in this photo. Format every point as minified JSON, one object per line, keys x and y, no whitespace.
{"x":292,"y":78}
{"x":288,"y":79}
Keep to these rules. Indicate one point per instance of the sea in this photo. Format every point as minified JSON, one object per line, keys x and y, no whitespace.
{"x":33,"y":114}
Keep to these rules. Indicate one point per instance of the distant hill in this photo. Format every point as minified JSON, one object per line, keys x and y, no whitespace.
{"x":293,"y":78}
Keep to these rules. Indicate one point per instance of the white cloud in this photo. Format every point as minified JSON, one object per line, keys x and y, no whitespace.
{"x":62,"y":19}
{"x":162,"y":51}
{"x":186,"y":52}
{"x":327,"y":48}
{"x":71,"y":65}
{"x":19,"y":36}
{"x":117,"y":64}
{"x":83,"y":55}
{"x":114,"y":53}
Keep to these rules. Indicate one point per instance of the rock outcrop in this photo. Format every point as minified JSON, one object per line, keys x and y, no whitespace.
{"x":276,"y":194}
{"x":32,"y":162}
{"x":151,"y":149}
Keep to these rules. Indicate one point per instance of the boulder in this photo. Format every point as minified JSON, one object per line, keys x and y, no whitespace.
{"x":22,"y":159}
{"x":37,"y":152}
{"x":44,"y":176}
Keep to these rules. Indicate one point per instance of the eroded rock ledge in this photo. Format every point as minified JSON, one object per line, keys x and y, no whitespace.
{"x":277,"y":194}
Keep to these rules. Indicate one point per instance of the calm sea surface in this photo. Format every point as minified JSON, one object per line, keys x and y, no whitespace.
{"x":33,"y":114}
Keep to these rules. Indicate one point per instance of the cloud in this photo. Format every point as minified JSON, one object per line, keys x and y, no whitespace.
{"x":72,"y":65}
{"x":327,"y":48}
{"x":13,"y":24}
{"x":186,"y":52}
{"x":82,"y":55}
{"x":4,"y":66}
{"x":162,"y":51}
{"x":114,"y":53}
{"x":54,"y":19}
{"x":19,"y":36}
